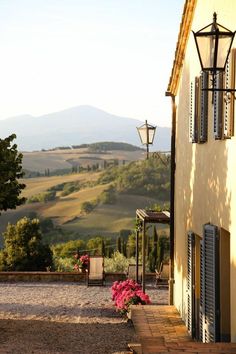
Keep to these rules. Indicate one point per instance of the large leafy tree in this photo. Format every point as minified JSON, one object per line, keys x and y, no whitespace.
{"x":24,"y":250}
{"x":10,"y":172}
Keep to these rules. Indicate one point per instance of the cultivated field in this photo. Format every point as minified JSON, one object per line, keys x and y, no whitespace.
{"x":66,"y":211}
{"x":41,"y":184}
{"x":110,"y":219}
{"x":70,"y":222}
{"x":60,"y":159}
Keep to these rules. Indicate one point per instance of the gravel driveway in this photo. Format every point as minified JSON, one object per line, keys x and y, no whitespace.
{"x":63,"y":318}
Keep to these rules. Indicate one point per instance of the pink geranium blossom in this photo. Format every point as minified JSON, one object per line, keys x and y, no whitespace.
{"x":126,"y":293}
{"x":82,"y":262}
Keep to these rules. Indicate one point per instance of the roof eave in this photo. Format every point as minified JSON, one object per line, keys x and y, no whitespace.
{"x":185,"y":28}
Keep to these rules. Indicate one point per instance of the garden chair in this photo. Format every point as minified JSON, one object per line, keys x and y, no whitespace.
{"x":162,"y":275}
{"x":131,"y":274}
{"x":96,"y":275}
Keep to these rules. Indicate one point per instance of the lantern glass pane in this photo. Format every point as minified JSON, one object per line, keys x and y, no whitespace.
{"x":206,"y":46}
{"x":224,"y":44}
{"x":151,"y":133}
{"x":143,"y":135}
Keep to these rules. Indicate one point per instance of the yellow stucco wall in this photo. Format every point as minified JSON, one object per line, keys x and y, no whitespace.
{"x":205,"y":178}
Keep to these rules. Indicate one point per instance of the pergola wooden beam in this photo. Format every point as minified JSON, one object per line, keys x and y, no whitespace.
{"x":147,"y":217}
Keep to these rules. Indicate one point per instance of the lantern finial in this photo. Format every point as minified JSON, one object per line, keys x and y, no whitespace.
{"x":214,"y":17}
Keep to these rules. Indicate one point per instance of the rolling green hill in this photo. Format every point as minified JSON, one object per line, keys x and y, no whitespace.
{"x":113,"y":196}
{"x":110,"y":219}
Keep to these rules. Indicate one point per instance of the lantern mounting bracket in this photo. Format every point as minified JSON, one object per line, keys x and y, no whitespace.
{"x":215,"y":89}
{"x":219,"y":90}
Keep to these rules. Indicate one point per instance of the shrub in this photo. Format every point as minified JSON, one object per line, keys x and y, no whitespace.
{"x":117,"y":263}
{"x":108,"y":196}
{"x":24,"y":250}
{"x":46,"y":225}
{"x":69,"y":188}
{"x":87,"y":207}
{"x":95,"y":245}
{"x":42,"y":197}
{"x":67,"y":249}
{"x":63,"y":264}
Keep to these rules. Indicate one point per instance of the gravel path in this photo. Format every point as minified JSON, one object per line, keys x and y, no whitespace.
{"x":63,"y":318}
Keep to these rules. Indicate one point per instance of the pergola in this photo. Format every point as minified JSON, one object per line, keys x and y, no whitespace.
{"x":144,"y":217}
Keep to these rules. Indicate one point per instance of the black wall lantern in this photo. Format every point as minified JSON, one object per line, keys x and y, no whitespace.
{"x":214,"y":43}
{"x":146,"y":134}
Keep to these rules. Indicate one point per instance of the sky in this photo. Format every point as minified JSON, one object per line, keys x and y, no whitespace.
{"x":115,"y":55}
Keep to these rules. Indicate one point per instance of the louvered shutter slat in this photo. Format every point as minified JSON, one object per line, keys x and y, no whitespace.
{"x":202,"y":292}
{"x":227,"y":99}
{"x":196,"y":108}
{"x":191,"y":283}
{"x":191,"y":110}
{"x":209,"y":287}
{"x":218,"y":105}
{"x":203,"y":122}
{"x":229,"y":102}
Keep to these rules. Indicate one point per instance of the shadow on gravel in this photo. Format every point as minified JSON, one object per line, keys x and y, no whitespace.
{"x":42,"y":337}
{"x":24,"y":311}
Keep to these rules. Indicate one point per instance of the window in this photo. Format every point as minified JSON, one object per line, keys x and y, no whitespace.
{"x":198,"y":114}
{"x":229,"y":102}
{"x":222,"y":104}
{"x":208,"y":284}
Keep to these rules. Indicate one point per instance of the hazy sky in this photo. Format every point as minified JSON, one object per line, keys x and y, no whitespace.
{"x":116,"y":55}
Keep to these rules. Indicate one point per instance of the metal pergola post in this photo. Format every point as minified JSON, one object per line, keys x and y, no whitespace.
{"x":143,"y":255}
{"x":137,"y":255}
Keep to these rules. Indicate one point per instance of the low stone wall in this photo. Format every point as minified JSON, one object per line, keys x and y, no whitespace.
{"x":42,"y":276}
{"x":60,"y":276}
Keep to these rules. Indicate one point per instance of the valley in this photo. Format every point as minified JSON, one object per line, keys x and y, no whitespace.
{"x":90,"y":202}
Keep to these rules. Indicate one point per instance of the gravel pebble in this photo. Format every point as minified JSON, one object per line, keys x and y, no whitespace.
{"x":63,"y":318}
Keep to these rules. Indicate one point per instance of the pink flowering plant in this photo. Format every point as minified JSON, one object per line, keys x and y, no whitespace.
{"x":126,"y":293}
{"x":81,"y":262}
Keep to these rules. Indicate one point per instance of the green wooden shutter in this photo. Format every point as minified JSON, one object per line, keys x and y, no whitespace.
{"x":209,"y":285}
{"x":191,"y":284}
{"x":192,"y":127}
{"x":227,"y":99}
{"x":191,"y":112}
{"x":194,"y":111}
{"x":228,"y":117}
{"x":203,"y":121}
{"x":218,"y":97}
{"x":202,"y":292}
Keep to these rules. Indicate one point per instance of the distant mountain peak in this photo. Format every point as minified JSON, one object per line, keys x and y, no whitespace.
{"x":74,"y":126}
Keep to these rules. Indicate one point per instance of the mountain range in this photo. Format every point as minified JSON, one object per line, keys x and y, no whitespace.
{"x":75,"y":126}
